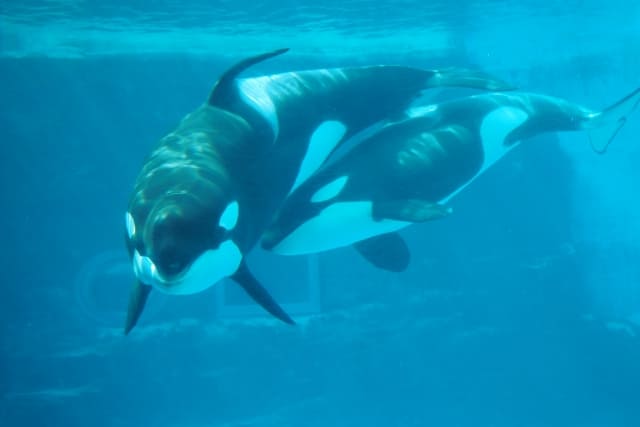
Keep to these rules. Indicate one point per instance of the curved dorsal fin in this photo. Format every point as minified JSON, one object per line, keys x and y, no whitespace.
{"x":221,"y":88}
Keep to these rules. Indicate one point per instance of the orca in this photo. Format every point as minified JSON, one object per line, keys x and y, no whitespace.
{"x":210,"y":187}
{"x":409,"y":170}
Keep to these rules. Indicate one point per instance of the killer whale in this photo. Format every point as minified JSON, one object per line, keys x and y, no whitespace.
{"x":209,"y":188}
{"x":409,"y":170}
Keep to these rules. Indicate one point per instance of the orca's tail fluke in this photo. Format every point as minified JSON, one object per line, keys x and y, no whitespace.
{"x":605,"y":125}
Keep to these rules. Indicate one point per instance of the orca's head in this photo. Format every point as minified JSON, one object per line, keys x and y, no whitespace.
{"x":182,"y":219}
{"x":184,"y":245}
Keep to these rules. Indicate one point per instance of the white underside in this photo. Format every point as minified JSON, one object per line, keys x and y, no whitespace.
{"x":494,"y":129}
{"x":344,"y":223}
{"x":210,"y":267}
{"x":496,"y":126}
{"x":340,"y":224}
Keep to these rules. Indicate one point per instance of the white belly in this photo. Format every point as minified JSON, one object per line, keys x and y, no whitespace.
{"x":340,"y":224}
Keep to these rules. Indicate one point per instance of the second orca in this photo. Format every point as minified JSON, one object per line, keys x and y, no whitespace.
{"x":408,"y":171}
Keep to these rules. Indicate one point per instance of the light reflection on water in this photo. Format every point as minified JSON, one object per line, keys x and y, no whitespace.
{"x":509,"y":32}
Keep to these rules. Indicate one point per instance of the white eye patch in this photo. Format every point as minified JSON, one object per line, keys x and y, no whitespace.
{"x":130,"y":224}
{"x":229,"y":217}
{"x":330,"y":191}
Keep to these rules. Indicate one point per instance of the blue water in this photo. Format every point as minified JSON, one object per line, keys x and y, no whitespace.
{"x":522,"y":309}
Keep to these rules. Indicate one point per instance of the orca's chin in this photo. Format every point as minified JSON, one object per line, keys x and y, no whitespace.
{"x":170,"y":277}
{"x":208,"y":269}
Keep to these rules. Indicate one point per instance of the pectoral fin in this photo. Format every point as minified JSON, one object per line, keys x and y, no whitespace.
{"x":259,"y":294}
{"x":411,"y":210}
{"x":137,"y":300}
{"x":387,"y":251}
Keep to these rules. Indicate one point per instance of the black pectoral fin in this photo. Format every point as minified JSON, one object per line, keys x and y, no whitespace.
{"x":220,"y":91}
{"x":137,"y":300}
{"x":259,"y":294}
{"x":411,"y":210}
{"x":387,"y":251}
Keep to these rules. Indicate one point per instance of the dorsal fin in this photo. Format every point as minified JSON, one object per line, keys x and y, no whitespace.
{"x":220,"y":90}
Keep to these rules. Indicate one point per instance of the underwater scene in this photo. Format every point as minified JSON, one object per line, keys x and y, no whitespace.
{"x":342,"y":213}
